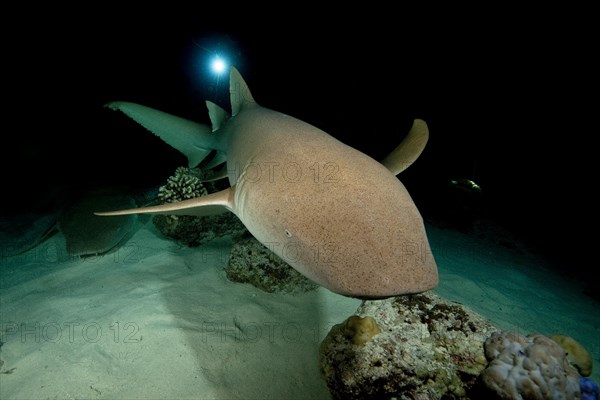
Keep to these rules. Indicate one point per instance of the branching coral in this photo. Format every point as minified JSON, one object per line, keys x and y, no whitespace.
{"x":183,"y":185}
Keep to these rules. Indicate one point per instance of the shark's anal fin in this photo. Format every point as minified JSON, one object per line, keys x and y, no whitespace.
{"x":211,"y":204}
{"x":409,"y":150}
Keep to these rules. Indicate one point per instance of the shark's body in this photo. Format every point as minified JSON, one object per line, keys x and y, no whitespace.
{"x":333,"y":213}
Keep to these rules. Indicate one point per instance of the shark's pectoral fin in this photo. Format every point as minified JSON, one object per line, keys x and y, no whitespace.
{"x":193,"y":139}
{"x":211,"y":204}
{"x":409,"y":150}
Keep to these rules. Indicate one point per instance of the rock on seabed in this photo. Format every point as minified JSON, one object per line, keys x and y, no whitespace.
{"x":428,"y":348}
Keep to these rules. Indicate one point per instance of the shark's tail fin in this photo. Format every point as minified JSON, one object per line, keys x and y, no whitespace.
{"x":196,"y":141}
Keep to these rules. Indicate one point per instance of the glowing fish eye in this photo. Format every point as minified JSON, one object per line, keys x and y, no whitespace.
{"x":218,"y":65}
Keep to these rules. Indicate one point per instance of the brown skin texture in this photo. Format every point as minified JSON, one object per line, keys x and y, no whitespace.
{"x":334,"y":214}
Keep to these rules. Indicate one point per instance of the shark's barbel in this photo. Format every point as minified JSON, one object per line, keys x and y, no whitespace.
{"x":335,"y":214}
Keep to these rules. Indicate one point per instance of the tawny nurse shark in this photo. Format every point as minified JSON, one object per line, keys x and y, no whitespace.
{"x":334,"y":214}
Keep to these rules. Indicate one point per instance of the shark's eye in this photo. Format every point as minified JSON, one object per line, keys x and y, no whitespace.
{"x":288,"y":233}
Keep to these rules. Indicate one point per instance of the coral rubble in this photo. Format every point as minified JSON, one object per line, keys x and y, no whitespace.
{"x":251,"y":262}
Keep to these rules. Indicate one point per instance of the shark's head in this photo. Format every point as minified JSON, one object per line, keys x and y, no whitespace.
{"x":347,"y":223}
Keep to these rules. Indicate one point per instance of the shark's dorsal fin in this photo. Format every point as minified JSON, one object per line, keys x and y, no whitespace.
{"x":193,"y":139}
{"x":211,"y":204}
{"x":409,"y":150}
{"x":239,"y":93}
{"x":217,"y":115}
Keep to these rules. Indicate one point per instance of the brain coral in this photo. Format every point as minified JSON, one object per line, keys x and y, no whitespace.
{"x":528,"y":367}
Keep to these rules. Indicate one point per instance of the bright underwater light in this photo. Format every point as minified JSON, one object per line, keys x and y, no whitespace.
{"x":218,"y":65}
{"x":211,"y":65}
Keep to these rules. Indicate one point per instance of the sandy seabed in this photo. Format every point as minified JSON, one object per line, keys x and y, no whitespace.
{"x":155,"y":320}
